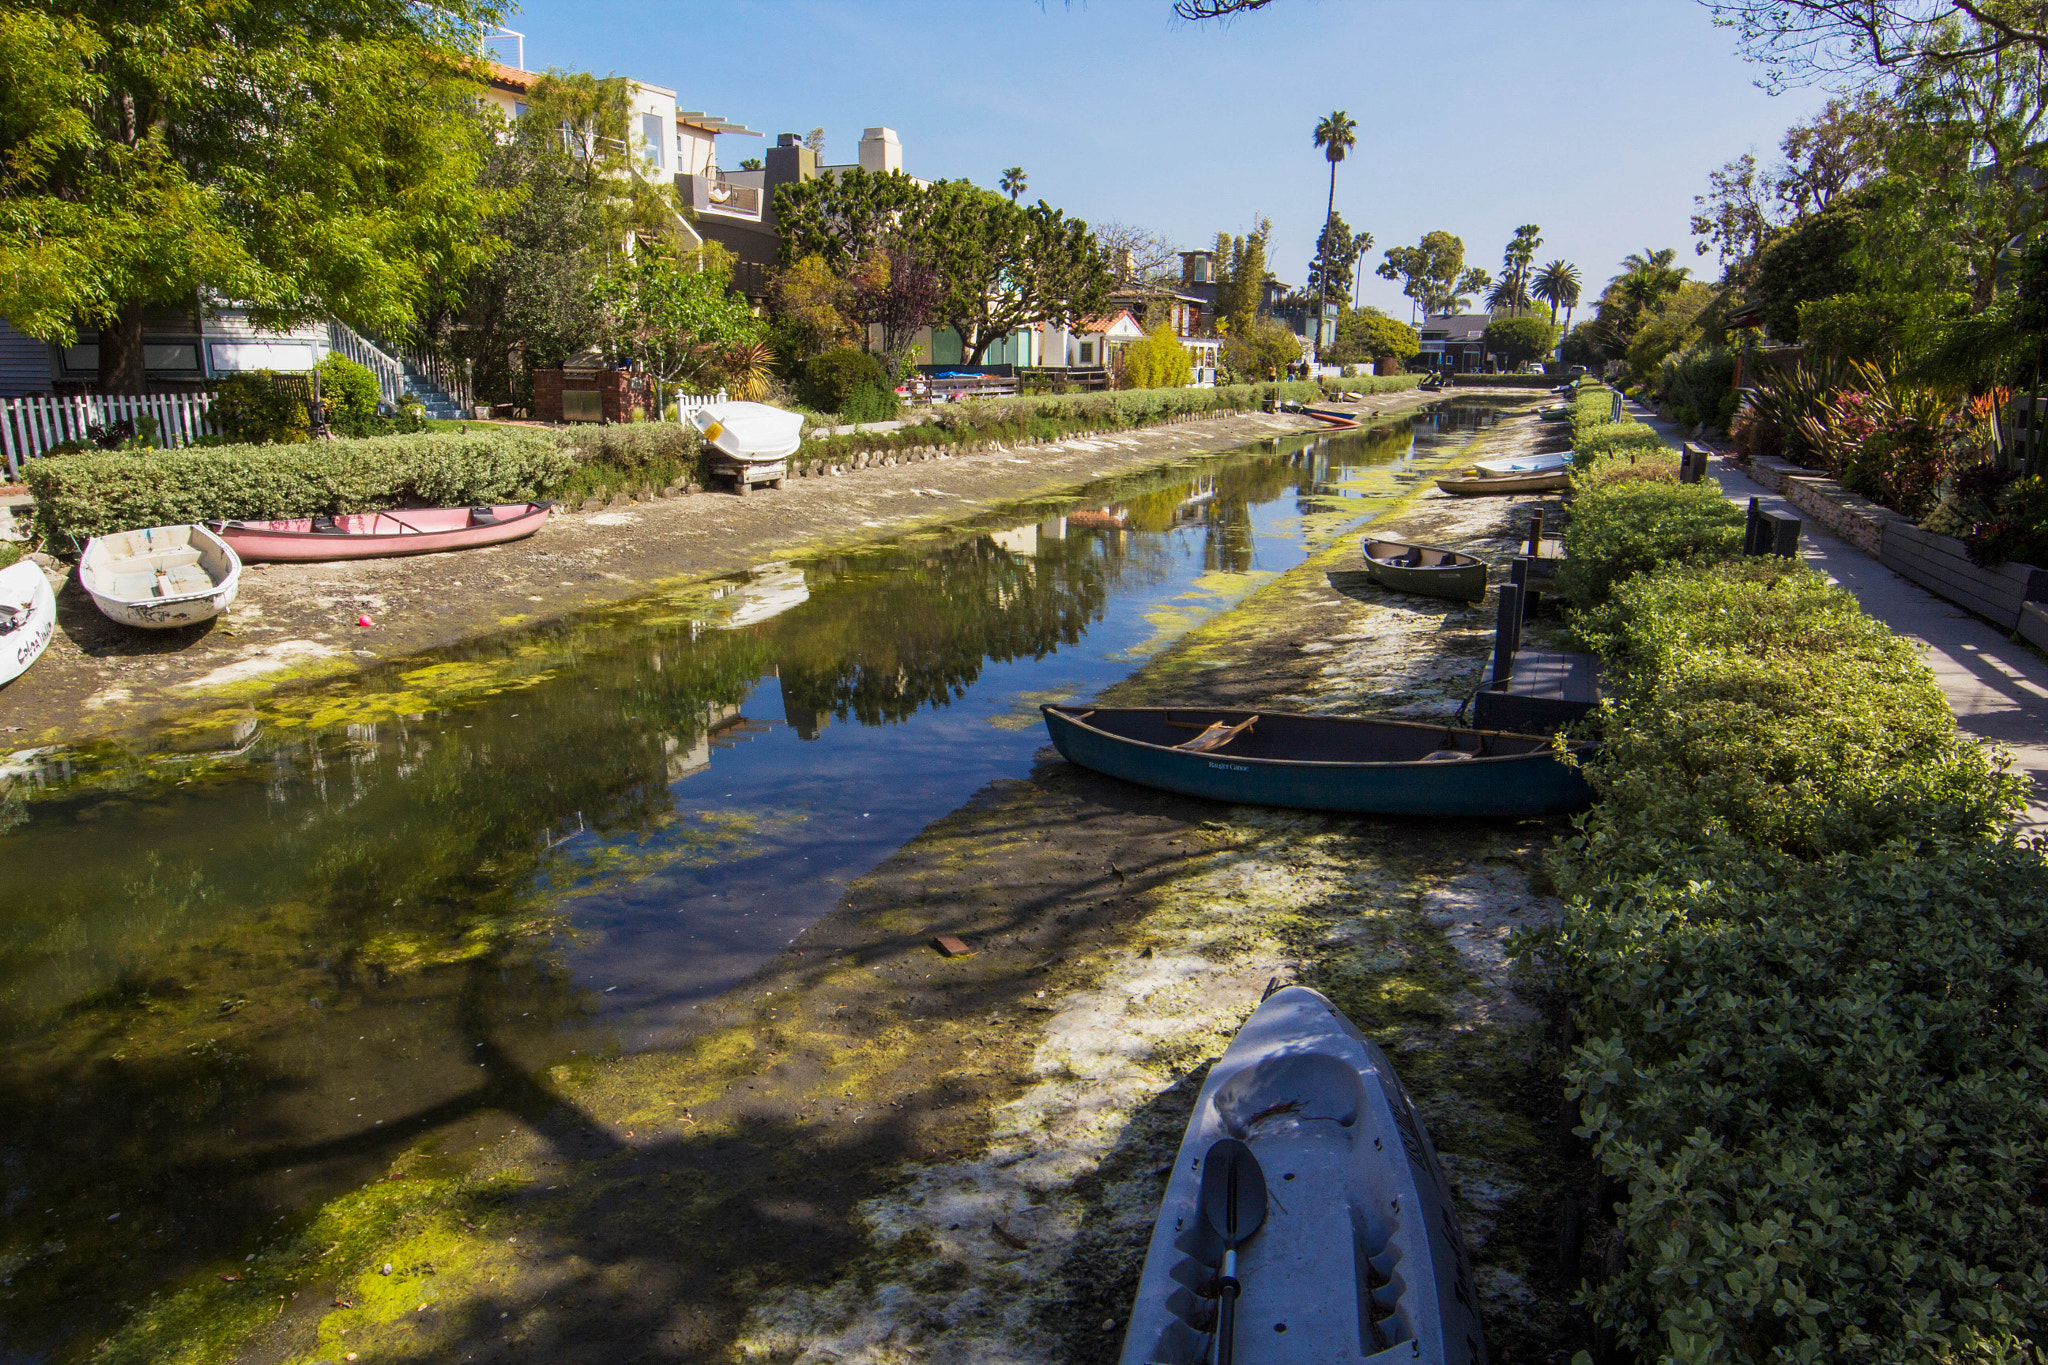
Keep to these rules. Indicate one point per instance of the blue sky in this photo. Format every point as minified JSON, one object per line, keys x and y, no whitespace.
{"x":1596,"y":119}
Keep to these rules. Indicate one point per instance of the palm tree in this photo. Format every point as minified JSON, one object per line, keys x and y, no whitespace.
{"x":1557,"y":284}
{"x":1336,"y":135}
{"x":1013,"y":182}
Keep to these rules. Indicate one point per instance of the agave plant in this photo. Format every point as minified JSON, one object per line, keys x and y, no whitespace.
{"x":748,"y":368}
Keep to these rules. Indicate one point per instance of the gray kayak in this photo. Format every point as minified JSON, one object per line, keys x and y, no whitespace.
{"x":1358,"y":1257}
{"x":1427,"y":569}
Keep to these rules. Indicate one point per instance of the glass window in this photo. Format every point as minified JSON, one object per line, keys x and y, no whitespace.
{"x":518,"y":109}
{"x":650,"y":131}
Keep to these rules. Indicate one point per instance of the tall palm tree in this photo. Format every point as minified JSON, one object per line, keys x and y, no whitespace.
{"x":1336,"y":135}
{"x":1013,"y":182}
{"x":1557,"y":284}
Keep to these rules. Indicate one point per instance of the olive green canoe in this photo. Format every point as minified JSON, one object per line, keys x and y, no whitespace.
{"x":1427,"y":569}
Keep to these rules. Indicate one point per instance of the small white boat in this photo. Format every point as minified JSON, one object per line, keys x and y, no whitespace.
{"x":161,"y":577}
{"x":750,"y":442}
{"x":28,"y":618}
{"x":1524,"y":464}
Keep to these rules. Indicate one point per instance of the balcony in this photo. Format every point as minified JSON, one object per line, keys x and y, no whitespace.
{"x":715,"y":194}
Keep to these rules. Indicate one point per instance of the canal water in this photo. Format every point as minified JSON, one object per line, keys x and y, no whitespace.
{"x":247,"y":959}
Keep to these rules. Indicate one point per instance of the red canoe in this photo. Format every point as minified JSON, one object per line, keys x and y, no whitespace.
{"x":374,"y":535}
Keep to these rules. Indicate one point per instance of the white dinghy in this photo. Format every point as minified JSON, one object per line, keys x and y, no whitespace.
{"x":750,"y":442}
{"x":28,"y":618}
{"x":161,"y":577}
{"x":1306,"y":1218}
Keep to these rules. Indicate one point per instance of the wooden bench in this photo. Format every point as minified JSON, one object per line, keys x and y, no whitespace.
{"x":1531,"y":690}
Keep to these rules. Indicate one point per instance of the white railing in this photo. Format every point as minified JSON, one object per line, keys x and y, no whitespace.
{"x":450,"y":377}
{"x":390,"y":371}
{"x":30,"y":426}
{"x":689,"y":403}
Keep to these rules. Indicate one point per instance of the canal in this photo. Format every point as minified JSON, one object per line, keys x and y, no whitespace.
{"x":248,"y":958}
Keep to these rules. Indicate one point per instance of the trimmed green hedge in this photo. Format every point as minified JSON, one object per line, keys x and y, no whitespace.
{"x":1810,"y":974}
{"x":1623,"y":528}
{"x":1048,"y":416}
{"x":78,"y":496}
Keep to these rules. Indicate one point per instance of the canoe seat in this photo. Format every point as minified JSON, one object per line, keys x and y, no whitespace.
{"x":482,"y":516}
{"x":1216,"y":736}
{"x":182,"y":580}
{"x":1446,"y":756}
{"x":325,"y":525}
{"x":149,"y":563}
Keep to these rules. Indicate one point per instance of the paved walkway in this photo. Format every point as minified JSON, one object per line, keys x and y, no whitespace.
{"x":1997,"y":686}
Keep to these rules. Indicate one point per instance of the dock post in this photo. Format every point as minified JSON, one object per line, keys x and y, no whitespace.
{"x":1506,"y":634}
{"x":1749,"y":527}
{"x":1518,"y":575}
{"x":1536,"y":534}
{"x":1785,"y":539}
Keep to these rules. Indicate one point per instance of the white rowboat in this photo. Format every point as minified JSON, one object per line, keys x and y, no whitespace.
{"x":161,"y":577}
{"x":750,"y":442}
{"x":28,"y":618}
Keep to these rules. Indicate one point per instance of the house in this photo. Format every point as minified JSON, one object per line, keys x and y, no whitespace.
{"x":737,"y":208}
{"x":1452,"y":342}
{"x":1092,"y":342}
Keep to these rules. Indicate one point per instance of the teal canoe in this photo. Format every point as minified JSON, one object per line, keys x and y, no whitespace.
{"x":1334,"y":763}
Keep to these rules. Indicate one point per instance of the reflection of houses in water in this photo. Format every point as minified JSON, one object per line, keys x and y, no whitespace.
{"x":769,"y":591}
{"x":1029,"y":540}
{"x":1098,"y":518}
{"x":723,"y":727}
{"x":1195,"y":506}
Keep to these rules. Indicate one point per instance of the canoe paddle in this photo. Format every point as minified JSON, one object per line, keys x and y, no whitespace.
{"x":1234,"y":1204}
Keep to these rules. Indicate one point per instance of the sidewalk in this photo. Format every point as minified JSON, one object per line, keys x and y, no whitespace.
{"x":1997,"y":687}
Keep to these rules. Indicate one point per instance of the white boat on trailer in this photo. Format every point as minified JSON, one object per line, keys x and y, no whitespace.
{"x":28,"y":617}
{"x":160,"y":577}
{"x":750,"y":442}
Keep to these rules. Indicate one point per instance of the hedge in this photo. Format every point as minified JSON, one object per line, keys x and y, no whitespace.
{"x":78,"y":496}
{"x":1811,"y":977}
{"x":1046,"y":416}
{"x":1623,"y":528}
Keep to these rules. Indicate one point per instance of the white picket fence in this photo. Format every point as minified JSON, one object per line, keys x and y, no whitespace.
{"x":687,"y":404}
{"x":30,"y":426}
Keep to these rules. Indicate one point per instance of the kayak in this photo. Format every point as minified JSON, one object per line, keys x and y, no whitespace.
{"x":1349,"y":1247}
{"x":378,"y":535}
{"x":1427,"y":569}
{"x":160,"y":577}
{"x":1537,"y":481}
{"x":28,"y":618}
{"x":1335,"y":763}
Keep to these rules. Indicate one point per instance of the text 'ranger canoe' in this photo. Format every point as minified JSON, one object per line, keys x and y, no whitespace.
{"x":1335,"y":763}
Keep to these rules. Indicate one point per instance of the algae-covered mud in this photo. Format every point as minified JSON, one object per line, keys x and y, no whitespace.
{"x":344,"y":972}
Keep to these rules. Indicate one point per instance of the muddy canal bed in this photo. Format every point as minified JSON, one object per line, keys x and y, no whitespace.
{"x":276,"y":953}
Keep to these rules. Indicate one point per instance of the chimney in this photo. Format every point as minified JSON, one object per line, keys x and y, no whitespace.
{"x":880,"y":152}
{"x":788,"y":162}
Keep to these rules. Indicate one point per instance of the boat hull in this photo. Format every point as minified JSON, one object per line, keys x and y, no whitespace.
{"x":380,"y":535}
{"x":1517,"y":777}
{"x":1360,"y":1257}
{"x":108,"y":567}
{"x":1546,"y":482}
{"x":1458,"y":577}
{"x":25,"y":636}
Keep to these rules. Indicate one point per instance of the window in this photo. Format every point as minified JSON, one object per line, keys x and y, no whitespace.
{"x":650,"y":130}
{"x":1087,"y":353}
{"x":518,"y":109}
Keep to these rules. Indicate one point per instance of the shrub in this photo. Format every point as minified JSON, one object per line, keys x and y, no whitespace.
{"x":1626,"y":528}
{"x":260,"y":408}
{"x":86,"y":495}
{"x":348,"y":389}
{"x":1158,"y":361}
{"x":1627,"y":441}
{"x":629,"y":458}
{"x":830,"y":379}
{"x":870,"y":403}
{"x":1813,"y":985}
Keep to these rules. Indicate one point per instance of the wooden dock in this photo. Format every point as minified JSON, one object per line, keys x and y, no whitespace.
{"x":1531,"y":690}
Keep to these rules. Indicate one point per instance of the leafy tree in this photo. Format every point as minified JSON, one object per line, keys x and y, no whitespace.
{"x":305,"y":157}
{"x":1805,"y":41}
{"x":1557,"y":284}
{"x":752,"y":163}
{"x":1139,"y":256}
{"x":1260,"y":349}
{"x":811,"y":302}
{"x":842,"y":217}
{"x":1336,"y":258}
{"x":1241,"y":275}
{"x":1013,"y":182}
{"x":1840,"y":148}
{"x":1001,"y":267}
{"x":1368,"y":334}
{"x":1668,"y":327}
{"x":895,"y":292}
{"x":1519,"y":340}
{"x":1157,"y":361}
{"x":677,"y":317}
{"x":1336,"y":134}
{"x":1433,"y":272}
{"x":815,"y":140}
{"x":1814,"y":259}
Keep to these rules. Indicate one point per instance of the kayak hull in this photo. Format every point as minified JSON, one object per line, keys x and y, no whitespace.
{"x":1360,"y":1257}
{"x":1332,"y":763}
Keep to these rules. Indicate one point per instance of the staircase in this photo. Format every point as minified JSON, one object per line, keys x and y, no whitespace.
{"x":432,"y":396}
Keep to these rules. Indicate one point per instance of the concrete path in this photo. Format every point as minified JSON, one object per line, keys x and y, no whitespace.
{"x":1997,"y":686}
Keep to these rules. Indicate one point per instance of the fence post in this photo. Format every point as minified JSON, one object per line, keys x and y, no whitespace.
{"x":1749,"y":527}
{"x":1506,"y":633}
